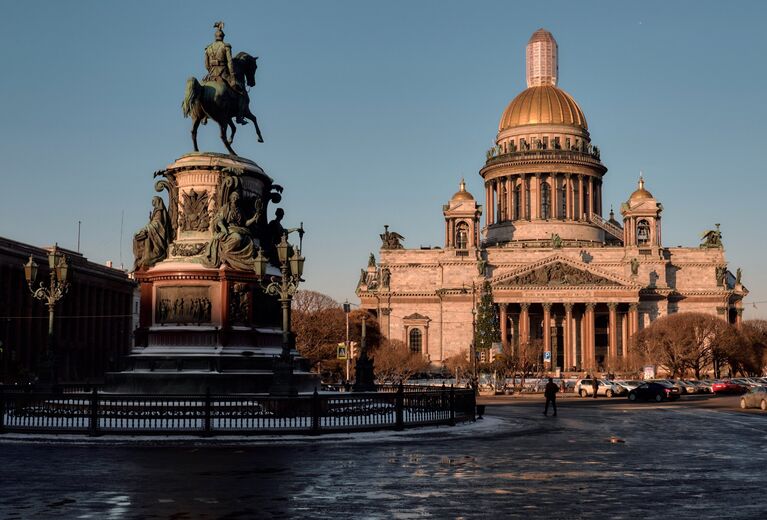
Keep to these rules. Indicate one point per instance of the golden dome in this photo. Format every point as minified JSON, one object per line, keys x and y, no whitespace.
{"x":545,"y":104}
{"x":640,"y":193}
{"x":462,"y":194}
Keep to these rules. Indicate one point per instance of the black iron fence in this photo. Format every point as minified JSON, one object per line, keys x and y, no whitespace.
{"x":96,"y":413}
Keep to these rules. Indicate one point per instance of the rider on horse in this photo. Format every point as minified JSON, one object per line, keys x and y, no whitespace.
{"x":218,"y":62}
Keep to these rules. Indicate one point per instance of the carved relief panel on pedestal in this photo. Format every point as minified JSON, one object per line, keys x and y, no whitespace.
{"x":183,"y":305}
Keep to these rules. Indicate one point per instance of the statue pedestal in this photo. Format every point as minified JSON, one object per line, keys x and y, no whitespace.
{"x":205,"y":322}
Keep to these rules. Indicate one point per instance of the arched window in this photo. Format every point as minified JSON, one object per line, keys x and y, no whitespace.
{"x":415,"y":340}
{"x":545,"y":200}
{"x":462,"y":236}
{"x":643,"y":232}
{"x":517,"y":201}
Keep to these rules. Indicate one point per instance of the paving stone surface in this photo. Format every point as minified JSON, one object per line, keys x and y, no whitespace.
{"x":598,"y":459}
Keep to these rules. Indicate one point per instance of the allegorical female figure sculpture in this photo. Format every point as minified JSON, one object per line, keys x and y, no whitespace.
{"x":232,"y":243}
{"x":150,"y":244}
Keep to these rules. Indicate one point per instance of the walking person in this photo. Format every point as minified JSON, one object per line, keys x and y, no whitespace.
{"x":595,"y":386}
{"x":550,"y":393}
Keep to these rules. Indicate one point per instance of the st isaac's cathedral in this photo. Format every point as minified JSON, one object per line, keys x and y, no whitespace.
{"x":559,"y":271}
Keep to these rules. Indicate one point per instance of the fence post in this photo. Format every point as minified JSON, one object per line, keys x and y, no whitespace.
{"x":399,"y":405}
{"x":452,"y":406}
{"x":315,"y":413}
{"x":2,"y":410}
{"x":206,"y":421}
{"x":93,"y":431}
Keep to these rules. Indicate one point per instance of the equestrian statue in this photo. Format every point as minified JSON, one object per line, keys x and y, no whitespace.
{"x":222,"y":96}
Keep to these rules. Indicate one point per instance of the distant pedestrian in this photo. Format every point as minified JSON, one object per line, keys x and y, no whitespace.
{"x":595,"y":386}
{"x":550,"y":393}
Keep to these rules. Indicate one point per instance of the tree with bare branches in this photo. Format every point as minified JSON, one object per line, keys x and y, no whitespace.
{"x":395,"y":362}
{"x":522,"y":363}
{"x":307,"y":302}
{"x":458,"y":365}
{"x":753,"y":354}
{"x":319,"y":324}
{"x":691,"y":342}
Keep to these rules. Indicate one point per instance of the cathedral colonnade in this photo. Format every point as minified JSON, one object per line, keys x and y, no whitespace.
{"x":580,"y":335}
{"x":543,"y":196}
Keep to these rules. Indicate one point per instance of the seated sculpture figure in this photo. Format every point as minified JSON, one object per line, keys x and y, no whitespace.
{"x":232,"y":242}
{"x":150,"y":244}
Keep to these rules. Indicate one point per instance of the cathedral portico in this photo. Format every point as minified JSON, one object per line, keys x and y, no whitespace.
{"x":581,"y":334}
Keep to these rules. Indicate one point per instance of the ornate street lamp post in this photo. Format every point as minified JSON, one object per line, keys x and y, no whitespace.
{"x":291,"y":268}
{"x":347,"y":310}
{"x":473,"y":330}
{"x":56,"y":289}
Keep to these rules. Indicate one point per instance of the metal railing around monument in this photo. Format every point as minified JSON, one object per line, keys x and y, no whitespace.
{"x":96,"y":413}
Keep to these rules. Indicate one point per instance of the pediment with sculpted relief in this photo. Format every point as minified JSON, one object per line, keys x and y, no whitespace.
{"x":557,"y":274}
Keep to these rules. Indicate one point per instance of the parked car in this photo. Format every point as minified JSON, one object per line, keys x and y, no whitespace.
{"x":755,"y":398}
{"x":727,"y":386}
{"x":628,"y":385}
{"x":744,"y":382}
{"x":677,"y":383}
{"x":585,"y":388}
{"x":652,"y":391}
{"x":687,"y":387}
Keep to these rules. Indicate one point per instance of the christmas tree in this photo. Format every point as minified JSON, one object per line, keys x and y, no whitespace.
{"x":487,"y":329}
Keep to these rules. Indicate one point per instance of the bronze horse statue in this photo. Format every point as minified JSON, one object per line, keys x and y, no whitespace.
{"x":220,"y":102}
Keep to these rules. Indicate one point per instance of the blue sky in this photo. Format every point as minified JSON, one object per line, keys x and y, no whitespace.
{"x":372,"y":112}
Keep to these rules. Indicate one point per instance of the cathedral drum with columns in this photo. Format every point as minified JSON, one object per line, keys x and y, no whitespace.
{"x":559,"y":272}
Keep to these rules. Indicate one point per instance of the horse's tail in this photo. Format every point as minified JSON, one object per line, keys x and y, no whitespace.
{"x":192,"y":96}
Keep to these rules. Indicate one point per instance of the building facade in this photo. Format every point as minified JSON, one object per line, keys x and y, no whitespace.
{"x":559,"y":271}
{"x":93,"y":325}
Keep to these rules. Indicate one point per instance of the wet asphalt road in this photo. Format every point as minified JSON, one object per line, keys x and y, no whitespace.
{"x":693,"y":459}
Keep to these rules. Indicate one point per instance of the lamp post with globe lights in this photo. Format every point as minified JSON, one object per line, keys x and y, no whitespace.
{"x":50,"y":294}
{"x":284,"y":287}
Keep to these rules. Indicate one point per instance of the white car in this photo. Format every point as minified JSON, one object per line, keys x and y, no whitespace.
{"x":585,"y":388}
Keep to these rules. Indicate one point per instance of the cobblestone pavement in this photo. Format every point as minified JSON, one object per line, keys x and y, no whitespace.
{"x":693,"y":459}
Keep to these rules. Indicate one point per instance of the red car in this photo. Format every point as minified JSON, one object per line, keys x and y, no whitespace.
{"x":725,"y":386}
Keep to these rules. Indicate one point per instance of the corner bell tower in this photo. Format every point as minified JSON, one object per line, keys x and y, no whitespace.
{"x":641,"y":219}
{"x":462,"y":220}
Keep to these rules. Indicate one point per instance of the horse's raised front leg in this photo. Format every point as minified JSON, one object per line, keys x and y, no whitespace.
{"x":195,"y":126}
{"x":234,"y":131}
{"x":250,"y":116}
{"x":223,"y":125}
